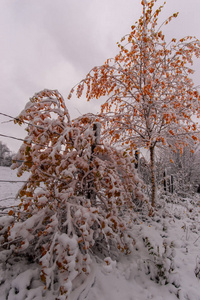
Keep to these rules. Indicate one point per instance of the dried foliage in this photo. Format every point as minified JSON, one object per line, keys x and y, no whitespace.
{"x":77,"y":201}
{"x":151,"y":97}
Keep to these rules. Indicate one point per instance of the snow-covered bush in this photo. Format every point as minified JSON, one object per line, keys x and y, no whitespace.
{"x":78,"y":198}
{"x":159,"y":265}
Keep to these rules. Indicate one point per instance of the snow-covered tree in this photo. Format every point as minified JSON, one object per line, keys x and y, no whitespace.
{"x":78,"y":198}
{"x":151,"y":97}
{"x":5,"y":156}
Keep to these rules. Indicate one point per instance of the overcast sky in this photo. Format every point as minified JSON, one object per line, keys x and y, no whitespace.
{"x":54,"y":43}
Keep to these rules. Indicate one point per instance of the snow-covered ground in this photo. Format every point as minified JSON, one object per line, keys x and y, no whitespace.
{"x":9,"y":186}
{"x":162,"y":267}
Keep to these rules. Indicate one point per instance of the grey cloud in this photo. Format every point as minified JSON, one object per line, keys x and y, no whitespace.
{"x":53,"y":44}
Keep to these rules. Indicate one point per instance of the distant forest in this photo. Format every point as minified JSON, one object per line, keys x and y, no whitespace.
{"x":5,"y":155}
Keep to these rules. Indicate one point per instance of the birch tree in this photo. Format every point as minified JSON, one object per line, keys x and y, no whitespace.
{"x":151,"y":97}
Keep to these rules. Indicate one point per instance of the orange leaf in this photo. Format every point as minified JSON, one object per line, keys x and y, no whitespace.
{"x":43,"y":278}
{"x":194,"y":138}
{"x":151,"y":70}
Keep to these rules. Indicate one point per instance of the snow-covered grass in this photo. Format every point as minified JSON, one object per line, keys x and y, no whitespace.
{"x":164,"y":265}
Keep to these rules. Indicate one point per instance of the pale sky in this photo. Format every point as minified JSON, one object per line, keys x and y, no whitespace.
{"x":54,"y":43}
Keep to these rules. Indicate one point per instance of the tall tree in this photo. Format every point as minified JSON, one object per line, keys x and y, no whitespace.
{"x":151,"y":97}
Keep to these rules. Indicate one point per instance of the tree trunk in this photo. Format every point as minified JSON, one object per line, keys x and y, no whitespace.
{"x":153,"y":183}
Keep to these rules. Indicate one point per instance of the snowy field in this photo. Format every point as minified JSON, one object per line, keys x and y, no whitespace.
{"x":164,"y":266}
{"x":9,"y":186}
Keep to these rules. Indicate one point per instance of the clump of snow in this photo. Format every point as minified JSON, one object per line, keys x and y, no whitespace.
{"x":21,"y":284}
{"x":109,"y":264}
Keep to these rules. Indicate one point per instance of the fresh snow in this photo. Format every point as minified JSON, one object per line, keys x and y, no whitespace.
{"x":8,"y":190}
{"x":170,"y":241}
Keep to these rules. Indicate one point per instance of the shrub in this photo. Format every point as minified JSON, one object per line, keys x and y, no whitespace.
{"x":78,"y":198}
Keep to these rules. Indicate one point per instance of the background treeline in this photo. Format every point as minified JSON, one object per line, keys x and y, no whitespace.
{"x":5,"y":155}
{"x":176,"y":171}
